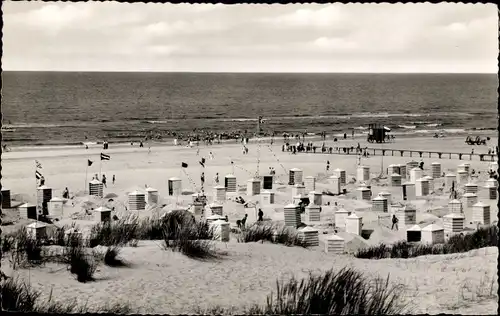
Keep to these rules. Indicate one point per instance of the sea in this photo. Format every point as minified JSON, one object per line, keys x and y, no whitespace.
{"x":72,"y":108}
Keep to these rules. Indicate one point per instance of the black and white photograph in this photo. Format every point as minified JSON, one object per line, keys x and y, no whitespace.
{"x":249,"y":159}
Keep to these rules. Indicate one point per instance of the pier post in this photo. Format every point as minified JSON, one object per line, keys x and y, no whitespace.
{"x":439,"y":155}
{"x":420,"y":153}
{"x":402,"y":152}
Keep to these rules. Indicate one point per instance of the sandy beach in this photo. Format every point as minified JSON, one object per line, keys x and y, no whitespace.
{"x":171,"y":283}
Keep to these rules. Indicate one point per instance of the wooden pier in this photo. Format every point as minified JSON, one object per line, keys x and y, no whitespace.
{"x":408,"y":153}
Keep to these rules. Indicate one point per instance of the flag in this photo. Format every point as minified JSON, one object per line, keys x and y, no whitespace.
{"x":202,"y":162}
{"x":184,"y":165}
{"x":89,"y":162}
{"x":38,"y":175}
{"x":105,"y":157}
{"x":232,"y":162}
{"x":38,"y":164}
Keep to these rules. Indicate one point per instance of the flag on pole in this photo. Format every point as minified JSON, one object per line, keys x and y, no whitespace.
{"x":184,"y":165}
{"x":38,"y":175}
{"x":89,"y":162}
{"x":105,"y":157}
{"x":202,"y":162}
{"x":38,"y":164}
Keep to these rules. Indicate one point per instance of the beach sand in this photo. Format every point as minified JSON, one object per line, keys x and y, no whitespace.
{"x":165,"y":282}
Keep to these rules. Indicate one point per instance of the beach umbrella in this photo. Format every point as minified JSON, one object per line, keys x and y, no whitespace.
{"x":110,"y":196}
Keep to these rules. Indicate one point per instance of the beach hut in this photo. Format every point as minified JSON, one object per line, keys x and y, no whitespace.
{"x":230,"y":183}
{"x":292,"y":215}
{"x":379,"y":204}
{"x":310,"y":183}
{"x":364,"y":193}
{"x":470,"y":199}
{"x":298,"y":190}
{"x":408,"y":191}
{"x":421,"y":187}
{"x":313,"y":212}
{"x":387,"y":196}
{"x":414,"y":234}
{"x":492,"y":183}
{"x":5,"y":198}
{"x":409,"y":166}
{"x":481,"y":213}
{"x":297,"y":199}
{"x":436,"y":170}
{"x":431,"y":183}
{"x":492,"y":192}
{"x":465,"y":167}
{"x":56,"y":207}
{"x":151,"y":196}
{"x":395,"y":180}
{"x":136,"y":201}
{"x":471,"y":188}
{"x":462,"y":177}
{"x":449,"y":178}
{"x":315,"y":198}
{"x":267,"y":182}
{"x":334,"y":244}
{"x":453,"y":222}
{"x":340,"y":217}
{"x":455,"y":206}
{"x":213,"y":218}
{"x":216,"y":208}
{"x":363,"y":173}
{"x":174,"y":186}
{"x":36,"y":230}
{"x":402,"y":170}
{"x":416,"y":173}
{"x":335,"y":184}
{"x":219,"y":193}
{"x":44,"y":195}
{"x":407,"y":215}
{"x":295,"y":176}
{"x":341,"y":174}
{"x":96,"y":188}
{"x":253,"y":187}
{"x":27,"y":211}
{"x":221,"y":230}
{"x":433,"y":234}
{"x":354,"y":224}
{"x":309,"y":236}
{"x":102,"y":214}
{"x":393,"y":169}
{"x":267,"y":197}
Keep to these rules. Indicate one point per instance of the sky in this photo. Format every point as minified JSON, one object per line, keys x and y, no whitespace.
{"x":370,"y":38}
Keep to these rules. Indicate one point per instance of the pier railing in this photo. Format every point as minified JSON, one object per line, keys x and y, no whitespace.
{"x":407,"y":153}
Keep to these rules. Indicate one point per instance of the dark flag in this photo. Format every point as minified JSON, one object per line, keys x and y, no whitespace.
{"x":38,"y":175}
{"x":184,"y":165}
{"x":202,"y":162}
{"x":232,"y":162}
{"x":105,"y":157}
{"x":89,"y":162}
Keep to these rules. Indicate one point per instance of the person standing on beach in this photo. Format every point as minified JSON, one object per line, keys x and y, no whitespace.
{"x":217,"y":178}
{"x":114,"y":179}
{"x":202,"y":178}
{"x":394,"y":222}
{"x":104,"y":180}
{"x":327,"y":165}
{"x":260,"y":215}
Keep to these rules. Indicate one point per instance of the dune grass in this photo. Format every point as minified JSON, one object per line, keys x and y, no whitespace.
{"x":483,"y":237}
{"x":346,"y":292}
{"x":272,"y":233}
{"x":18,"y":296}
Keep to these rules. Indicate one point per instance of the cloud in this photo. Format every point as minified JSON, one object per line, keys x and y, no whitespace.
{"x":274,"y":36}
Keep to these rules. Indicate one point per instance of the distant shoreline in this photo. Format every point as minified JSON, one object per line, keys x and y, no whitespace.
{"x":252,"y":140}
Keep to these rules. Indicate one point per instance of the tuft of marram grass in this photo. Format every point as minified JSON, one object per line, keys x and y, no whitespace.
{"x":483,"y":237}
{"x":272,"y":233}
{"x":111,"y":257}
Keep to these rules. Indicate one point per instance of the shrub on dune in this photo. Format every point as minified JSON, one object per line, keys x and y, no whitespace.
{"x":111,"y":257}
{"x":272,"y":233}
{"x":191,"y":240}
{"x":342,"y":293}
{"x":483,"y":237}
{"x":17,"y":296}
